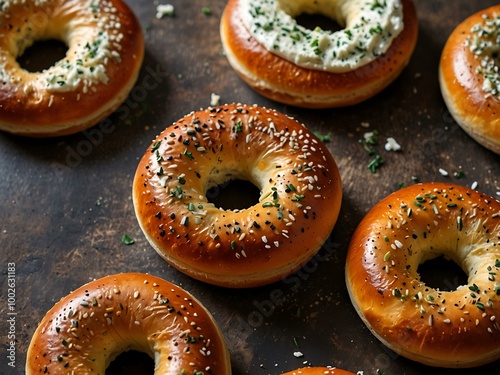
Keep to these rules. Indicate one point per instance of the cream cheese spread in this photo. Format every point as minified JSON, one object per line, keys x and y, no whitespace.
{"x":87,"y":65}
{"x":484,"y":43}
{"x":93,"y":38}
{"x":370,"y":26}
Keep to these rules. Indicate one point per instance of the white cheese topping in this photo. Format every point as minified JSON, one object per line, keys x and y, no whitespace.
{"x":370,"y":28}
{"x":163,"y":10}
{"x":485,"y":44}
{"x":392,"y":145}
{"x":88,"y":67}
{"x":87,"y":64}
{"x":94,"y":38}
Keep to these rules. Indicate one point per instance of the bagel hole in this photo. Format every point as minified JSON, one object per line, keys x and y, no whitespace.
{"x":311,"y":21}
{"x":42,"y":55}
{"x":234,"y":194}
{"x":442,"y":273}
{"x":131,"y":363}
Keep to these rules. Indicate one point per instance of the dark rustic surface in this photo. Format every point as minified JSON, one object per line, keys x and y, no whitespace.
{"x":66,"y":203}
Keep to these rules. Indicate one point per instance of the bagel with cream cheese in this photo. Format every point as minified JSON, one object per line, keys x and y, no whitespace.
{"x":289,"y":63}
{"x":105,"y":52}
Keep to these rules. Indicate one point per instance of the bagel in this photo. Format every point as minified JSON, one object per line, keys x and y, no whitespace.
{"x":457,"y":328}
{"x":88,"y":328}
{"x":288,"y":63}
{"x":469,"y":76}
{"x":319,"y":371}
{"x":298,"y":206}
{"x":105,"y":52}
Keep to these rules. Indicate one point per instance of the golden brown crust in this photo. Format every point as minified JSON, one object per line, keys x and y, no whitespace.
{"x":88,"y":328}
{"x":27,"y":107}
{"x":439,"y":328}
{"x":475,"y":111}
{"x":318,"y":371}
{"x":299,"y":203}
{"x":283,"y":81}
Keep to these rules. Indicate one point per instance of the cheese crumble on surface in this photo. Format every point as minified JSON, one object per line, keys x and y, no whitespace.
{"x":392,"y":145}
{"x":164,"y":10}
{"x":214,"y":99}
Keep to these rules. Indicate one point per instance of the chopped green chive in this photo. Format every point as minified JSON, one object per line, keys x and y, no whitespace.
{"x":238,"y":127}
{"x":474,"y":288}
{"x":159,"y":158}
{"x":156,"y":146}
{"x":375,"y":163}
{"x":323,"y":137}
{"x":127,"y":240}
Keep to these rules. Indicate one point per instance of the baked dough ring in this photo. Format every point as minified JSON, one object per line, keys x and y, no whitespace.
{"x":318,"y":371}
{"x":284,"y":81}
{"x":88,"y":328}
{"x":105,"y":53}
{"x":298,"y":206}
{"x":469,"y":77}
{"x":439,"y":328}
